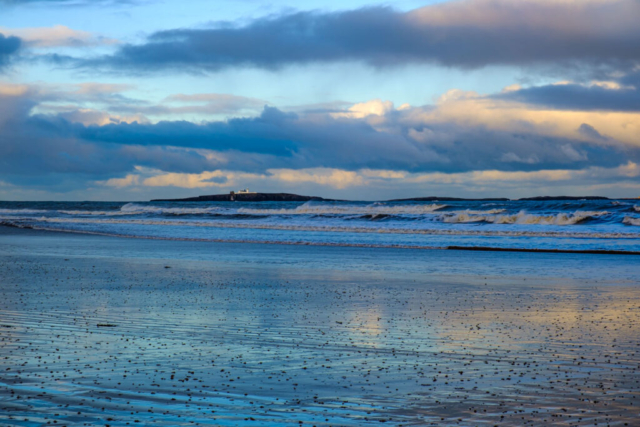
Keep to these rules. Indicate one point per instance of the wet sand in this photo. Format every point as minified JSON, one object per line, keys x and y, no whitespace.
{"x":110,"y":331}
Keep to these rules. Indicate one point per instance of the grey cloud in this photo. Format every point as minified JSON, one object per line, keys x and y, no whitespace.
{"x":41,"y":145}
{"x":277,"y":139}
{"x":578,"y":97}
{"x":31,"y":147}
{"x":464,"y":34}
{"x":8,"y":48}
{"x":110,"y":98}
{"x":632,"y":79}
{"x":591,"y":132}
{"x":207,"y":103}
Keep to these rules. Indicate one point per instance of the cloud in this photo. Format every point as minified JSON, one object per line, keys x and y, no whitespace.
{"x":127,"y":181}
{"x":335,"y":178}
{"x":211,"y":103}
{"x":102,"y":103}
{"x":464,"y":33}
{"x":494,"y":112}
{"x":415,"y":139}
{"x":56,"y":36}
{"x":380,"y":184}
{"x":360,"y":110}
{"x":78,"y":102}
{"x":32,"y":147}
{"x":100,"y":118}
{"x":308,"y":142}
{"x":463,"y":136}
{"x":9,"y":45}
{"x":599,"y":97}
{"x":202,"y":180}
{"x":76,"y":93}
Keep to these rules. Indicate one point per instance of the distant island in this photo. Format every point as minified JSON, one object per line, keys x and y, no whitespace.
{"x":551,"y":198}
{"x":498,"y":199}
{"x":449,"y":199}
{"x":250,"y":196}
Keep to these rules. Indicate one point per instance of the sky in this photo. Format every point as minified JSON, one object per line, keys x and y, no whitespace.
{"x":130,"y":100}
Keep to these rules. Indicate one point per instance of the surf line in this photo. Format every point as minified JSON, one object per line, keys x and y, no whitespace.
{"x":329,"y":244}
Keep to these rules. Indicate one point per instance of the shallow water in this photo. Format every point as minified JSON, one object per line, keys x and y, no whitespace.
{"x":242,"y":334}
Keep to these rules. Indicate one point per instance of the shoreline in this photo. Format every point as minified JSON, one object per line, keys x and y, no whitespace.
{"x":329,"y":244}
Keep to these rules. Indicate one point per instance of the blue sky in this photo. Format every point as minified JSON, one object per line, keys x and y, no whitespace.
{"x":130,"y":100}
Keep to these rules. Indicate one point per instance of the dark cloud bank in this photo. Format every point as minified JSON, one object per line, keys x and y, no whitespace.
{"x":459,"y":34}
{"x":465,"y":34}
{"x":39,"y":146}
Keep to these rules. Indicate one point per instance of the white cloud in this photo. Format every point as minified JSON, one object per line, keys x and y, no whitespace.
{"x":127,"y":181}
{"x":335,"y":178}
{"x":375,"y":107}
{"x":343,"y":179}
{"x":88,"y":116}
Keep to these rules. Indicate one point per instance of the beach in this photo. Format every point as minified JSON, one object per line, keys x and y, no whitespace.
{"x":99,"y":330}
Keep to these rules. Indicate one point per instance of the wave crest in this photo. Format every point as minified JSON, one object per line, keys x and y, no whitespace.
{"x":310,"y":208}
{"x":22,"y":211}
{"x":523,"y":217}
{"x":135,"y":209}
{"x":631,"y":221}
{"x":37,"y":223}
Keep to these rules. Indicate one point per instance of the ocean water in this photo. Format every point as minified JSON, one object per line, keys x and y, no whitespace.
{"x":564,"y":225}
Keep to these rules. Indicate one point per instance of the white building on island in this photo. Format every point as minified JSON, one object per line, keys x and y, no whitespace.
{"x":233,"y":194}
{"x":245,"y":191}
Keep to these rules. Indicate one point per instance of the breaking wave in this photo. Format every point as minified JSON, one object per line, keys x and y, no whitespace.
{"x":21,"y":211}
{"x":321,"y":228}
{"x":543,"y":224}
{"x":631,"y":221}
{"x":136,"y":209}
{"x":310,"y":208}
{"x":523,"y":217}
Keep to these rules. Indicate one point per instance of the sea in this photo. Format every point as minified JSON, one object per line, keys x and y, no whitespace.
{"x":566,"y":225}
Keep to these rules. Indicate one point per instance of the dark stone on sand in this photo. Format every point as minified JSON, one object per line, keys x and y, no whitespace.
{"x":106,"y":325}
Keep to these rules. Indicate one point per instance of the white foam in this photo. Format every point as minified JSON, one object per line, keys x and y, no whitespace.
{"x":135,"y":209}
{"x":472,"y":212}
{"x":636,"y":208}
{"x":631,"y":221}
{"x":311,"y":208}
{"x":308,"y":208}
{"x":22,"y":211}
{"x":339,"y":229}
{"x":523,"y":217}
{"x":94,"y":213}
